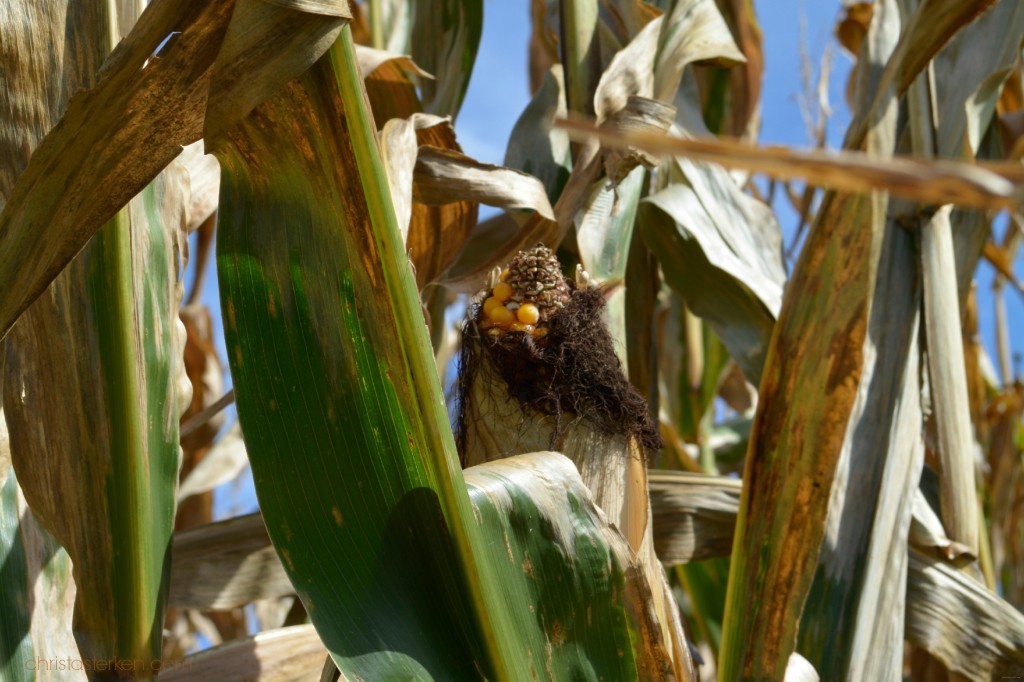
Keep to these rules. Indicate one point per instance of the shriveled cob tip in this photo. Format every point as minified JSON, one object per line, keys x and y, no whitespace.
{"x":530,"y":291}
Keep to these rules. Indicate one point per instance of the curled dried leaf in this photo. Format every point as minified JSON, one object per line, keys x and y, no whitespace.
{"x":988,"y":186}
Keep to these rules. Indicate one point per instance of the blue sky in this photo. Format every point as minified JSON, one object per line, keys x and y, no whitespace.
{"x":499,"y":90}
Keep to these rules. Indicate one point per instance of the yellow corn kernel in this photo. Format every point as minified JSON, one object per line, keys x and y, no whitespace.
{"x":501,"y":315}
{"x":504,"y":274}
{"x":490,"y":304}
{"x":519,"y":327}
{"x":528,"y":313}
{"x":502,"y":291}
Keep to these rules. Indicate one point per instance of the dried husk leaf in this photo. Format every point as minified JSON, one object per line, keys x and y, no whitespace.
{"x":928,"y":535}
{"x":551,"y":480}
{"x":371,"y":59}
{"x":694,"y":515}
{"x":956,"y":619}
{"x":496,"y":426}
{"x":948,"y":383}
{"x":630,"y":74}
{"x":398,"y":152}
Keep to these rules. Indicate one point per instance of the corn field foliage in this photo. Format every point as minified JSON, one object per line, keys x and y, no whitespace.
{"x":678,"y":444}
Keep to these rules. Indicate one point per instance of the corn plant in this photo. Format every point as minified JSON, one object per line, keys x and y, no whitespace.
{"x":670,"y":451}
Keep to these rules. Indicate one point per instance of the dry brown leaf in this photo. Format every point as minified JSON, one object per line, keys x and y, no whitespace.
{"x":745,"y":80}
{"x":543,"y":44}
{"x":437,"y":234}
{"x":853,"y":26}
{"x":989,"y":186}
{"x":173,"y":93}
{"x":999,"y":259}
{"x":267,"y":45}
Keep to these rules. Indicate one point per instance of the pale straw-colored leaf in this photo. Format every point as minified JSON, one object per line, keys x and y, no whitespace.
{"x":398,"y":152}
{"x":399,"y":149}
{"x":225,"y":565}
{"x":694,"y":515}
{"x":204,"y":183}
{"x":283,"y":655}
{"x":928,"y":535}
{"x":223,"y":463}
{"x":694,"y":31}
{"x":371,"y":59}
{"x":631,"y":73}
{"x":799,"y":669}
{"x":953,"y":617}
{"x":444,"y":176}
{"x":957,"y":620}
{"x":948,"y":382}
